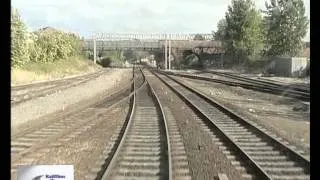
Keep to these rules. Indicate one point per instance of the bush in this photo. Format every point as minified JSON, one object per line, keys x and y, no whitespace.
{"x":52,"y":45}
{"x":19,"y":40}
{"x":45,"y":45}
{"x":105,"y":62}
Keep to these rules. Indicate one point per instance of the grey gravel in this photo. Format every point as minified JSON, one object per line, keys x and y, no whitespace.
{"x":38,"y":107}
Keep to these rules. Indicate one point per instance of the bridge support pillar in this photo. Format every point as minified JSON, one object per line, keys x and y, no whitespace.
{"x":94,"y":51}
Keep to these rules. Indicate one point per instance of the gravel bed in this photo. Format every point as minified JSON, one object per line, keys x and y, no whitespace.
{"x":83,"y":150}
{"x":204,"y":158}
{"x":276,"y":113}
{"x":288,"y":80}
{"x":36,"y":108}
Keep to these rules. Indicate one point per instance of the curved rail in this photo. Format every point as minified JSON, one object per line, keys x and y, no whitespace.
{"x":146,"y":110}
{"x":108,"y":102}
{"x":241,"y":134}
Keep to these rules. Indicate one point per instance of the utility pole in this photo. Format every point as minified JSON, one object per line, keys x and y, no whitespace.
{"x":165,"y":54}
{"x":169,"y":54}
{"x":94,"y":50}
{"x":222,"y":60}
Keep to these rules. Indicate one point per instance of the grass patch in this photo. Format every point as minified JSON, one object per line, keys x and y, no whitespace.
{"x":33,"y":71}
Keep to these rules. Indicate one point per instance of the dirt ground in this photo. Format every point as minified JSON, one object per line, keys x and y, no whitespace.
{"x":274,"y":112}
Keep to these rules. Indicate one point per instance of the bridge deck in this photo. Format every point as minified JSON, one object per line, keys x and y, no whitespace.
{"x":147,"y":44}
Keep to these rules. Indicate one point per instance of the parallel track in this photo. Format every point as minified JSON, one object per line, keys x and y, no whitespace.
{"x":27,"y":92}
{"x":301,"y":88}
{"x":252,"y":84}
{"x":143,"y":151}
{"x":265,"y":157}
{"x":37,"y":138}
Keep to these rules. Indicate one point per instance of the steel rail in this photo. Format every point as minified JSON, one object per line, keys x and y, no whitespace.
{"x":273,"y":90}
{"x":106,"y":172}
{"x":291,"y":153}
{"x":259,"y":81}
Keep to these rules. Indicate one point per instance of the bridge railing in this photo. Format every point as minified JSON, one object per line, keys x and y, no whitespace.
{"x":151,"y":36}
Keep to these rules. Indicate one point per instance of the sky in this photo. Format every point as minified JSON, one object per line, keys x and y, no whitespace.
{"x":86,"y":17}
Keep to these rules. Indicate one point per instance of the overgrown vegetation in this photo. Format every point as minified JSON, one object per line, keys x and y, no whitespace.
{"x":111,"y":58}
{"x":44,"y":54}
{"x":43,"y":46}
{"x":35,"y":71}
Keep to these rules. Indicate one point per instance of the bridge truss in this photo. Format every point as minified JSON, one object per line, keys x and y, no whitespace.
{"x":166,"y":41}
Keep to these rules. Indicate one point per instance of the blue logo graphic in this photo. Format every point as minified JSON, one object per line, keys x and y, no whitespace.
{"x":51,"y":177}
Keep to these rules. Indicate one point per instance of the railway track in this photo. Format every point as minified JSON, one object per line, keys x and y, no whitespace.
{"x":256,"y":154}
{"x":149,"y":147}
{"x":23,"y":93}
{"x":143,"y":149}
{"x":251,"y":84}
{"x":34,"y":142}
{"x":301,"y":88}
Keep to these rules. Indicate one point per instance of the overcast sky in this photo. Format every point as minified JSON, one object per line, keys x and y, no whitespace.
{"x":123,"y":16}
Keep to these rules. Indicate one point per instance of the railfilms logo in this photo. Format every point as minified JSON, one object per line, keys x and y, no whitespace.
{"x":51,"y":177}
{"x":46,"y":172}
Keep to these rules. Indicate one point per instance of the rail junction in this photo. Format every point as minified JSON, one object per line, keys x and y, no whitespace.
{"x":146,"y":139}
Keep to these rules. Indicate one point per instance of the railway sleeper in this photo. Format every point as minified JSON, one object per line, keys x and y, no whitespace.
{"x":248,"y":140}
{"x":134,"y":171}
{"x":268,"y":158}
{"x":288,"y":177}
{"x":252,"y":144}
{"x":142,"y":153}
{"x":284,"y":170}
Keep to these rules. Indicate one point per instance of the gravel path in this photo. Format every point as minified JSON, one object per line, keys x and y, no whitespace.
{"x":274,"y":112}
{"x":36,"y":108}
{"x":205,"y":159}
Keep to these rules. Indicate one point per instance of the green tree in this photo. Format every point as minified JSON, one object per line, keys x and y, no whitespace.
{"x":286,"y":25}
{"x":221,"y":30}
{"x":51,"y":45}
{"x":19,"y":40}
{"x":198,"y":37}
{"x":243,"y":31}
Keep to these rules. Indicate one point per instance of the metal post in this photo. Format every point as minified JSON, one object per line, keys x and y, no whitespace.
{"x":165,"y":55}
{"x":222,"y":60}
{"x":94,"y":50}
{"x":169,"y":54}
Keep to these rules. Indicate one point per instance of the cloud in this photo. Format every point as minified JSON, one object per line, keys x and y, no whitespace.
{"x":86,"y":17}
